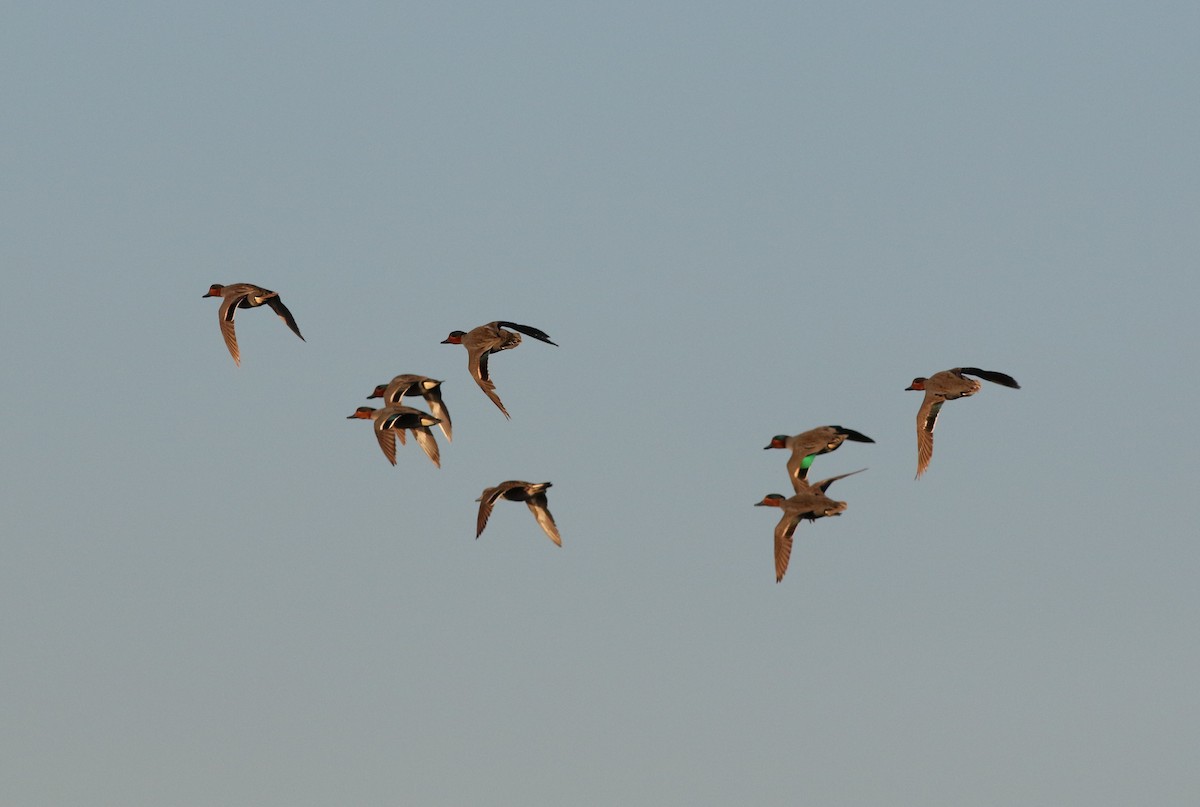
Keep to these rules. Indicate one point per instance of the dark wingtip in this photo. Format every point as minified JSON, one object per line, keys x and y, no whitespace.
{"x":1003,"y":379}
{"x":851,"y":434}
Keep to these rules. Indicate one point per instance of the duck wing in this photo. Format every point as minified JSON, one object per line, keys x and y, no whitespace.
{"x":783,"y":543}
{"x":851,"y":434}
{"x":487,"y":500}
{"x":477,"y":363}
{"x":228,"y":308}
{"x":528,"y":330}
{"x":282,"y":310}
{"x":824,"y":484}
{"x":426,"y":441}
{"x":489,"y":389}
{"x":1002,"y":379}
{"x":538,"y":505}
{"x":927,"y":417}
{"x":387,"y":439}
{"x":437,"y":408}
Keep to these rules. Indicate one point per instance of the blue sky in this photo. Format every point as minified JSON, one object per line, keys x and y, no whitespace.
{"x":736,"y":221}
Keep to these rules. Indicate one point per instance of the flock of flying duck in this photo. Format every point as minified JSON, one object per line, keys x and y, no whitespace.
{"x":811,"y":501}
{"x":393,"y":419}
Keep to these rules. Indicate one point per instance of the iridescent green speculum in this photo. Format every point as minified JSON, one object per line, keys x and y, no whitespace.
{"x":807,"y":462}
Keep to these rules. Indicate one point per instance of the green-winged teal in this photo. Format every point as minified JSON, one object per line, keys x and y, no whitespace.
{"x":939,"y":388}
{"x":246,"y":295}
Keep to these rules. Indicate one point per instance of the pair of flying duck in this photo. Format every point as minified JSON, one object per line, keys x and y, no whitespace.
{"x":393,"y":419}
{"x":481,"y":343}
{"x":810,"y":500}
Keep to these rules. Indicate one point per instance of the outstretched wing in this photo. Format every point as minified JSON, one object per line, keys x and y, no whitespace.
{"x":851,"y":434}
{"x":438,"y":409}
{"x":489,"y":389}
{"x":225,"y":315}
{"x":387,"y":439}
{"x":538,"y":506}
{"x":486,"y":501}
{"x":426,"y":441}
{"x":279,"y":308}
{"x":927,"y":417}
{"x":1002,"y":379}
{"x":824,"y":484}
{"x":528,"y":330}
{"x":783,"y":544}
{"x":477,"y":363}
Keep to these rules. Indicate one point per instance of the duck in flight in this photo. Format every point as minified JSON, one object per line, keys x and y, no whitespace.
{"x":487,"y":339}
{"x":811,"y":503}
{"x":390,"y":423}
{"x":247,"y":295}
{"x":428,"y":388}
{"x":807,"y":445}
{"x":534,"y":496}
{"x":946,"y":386}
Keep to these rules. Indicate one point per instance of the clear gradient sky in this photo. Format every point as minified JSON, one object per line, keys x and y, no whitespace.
{"x":737,"y":220}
